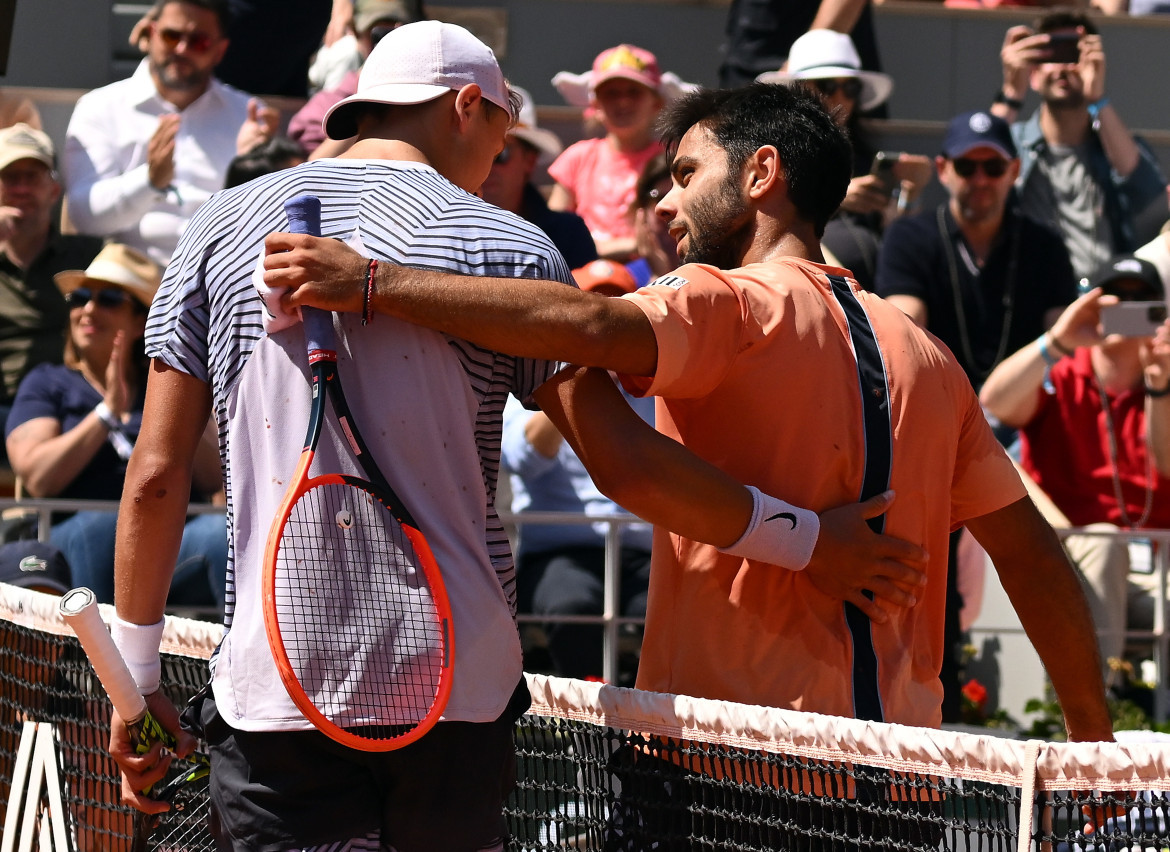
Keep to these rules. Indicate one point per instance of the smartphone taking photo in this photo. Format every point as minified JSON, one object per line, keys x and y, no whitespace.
{"x":883,"y":169}
{"x":1064,"y":48}
{"x":1133,"y":319}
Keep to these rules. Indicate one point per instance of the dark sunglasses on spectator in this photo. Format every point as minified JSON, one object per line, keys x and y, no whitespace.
{"x":993,"y":168}
{"x":380,"y":31}
{"x":195,"y":42}
{"x":107,"y":297}
{"x":850,"y":87}
{"x":504,"y":156}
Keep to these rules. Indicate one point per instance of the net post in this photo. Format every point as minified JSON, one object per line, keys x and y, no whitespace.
{"x":17,"y":785}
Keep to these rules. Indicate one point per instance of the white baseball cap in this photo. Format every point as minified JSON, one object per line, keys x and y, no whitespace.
{"x":417,"y":63}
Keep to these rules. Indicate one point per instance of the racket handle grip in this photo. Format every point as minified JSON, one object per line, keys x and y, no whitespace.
{"x":79,"y":609}
{"x":304,"y":214}
{"x":304,"y":217}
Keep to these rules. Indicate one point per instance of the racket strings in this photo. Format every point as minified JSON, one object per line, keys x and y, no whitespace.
{"x":359,"y":623}
{"x":184,"y":826}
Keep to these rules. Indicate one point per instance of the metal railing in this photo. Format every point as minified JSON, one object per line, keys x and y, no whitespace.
{"x":1158,"y":636}
{"x":610,"y":618}
{"x":612,"y":621}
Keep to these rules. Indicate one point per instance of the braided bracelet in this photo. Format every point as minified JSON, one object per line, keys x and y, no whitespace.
{"x":1049,"y":359}
{"x":1058,"y":346}
{"x":368,"y":297}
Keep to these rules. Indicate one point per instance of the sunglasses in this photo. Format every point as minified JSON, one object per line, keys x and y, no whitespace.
{"x":504,"y":157}
{"x":194,"y":42}
{"x":993,"y":168}
{"x":380,"y":31}
{"x":107,"y":297}
{"x":850,"y":87}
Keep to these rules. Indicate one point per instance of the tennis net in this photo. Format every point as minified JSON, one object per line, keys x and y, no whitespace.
{"x":603,"y":768}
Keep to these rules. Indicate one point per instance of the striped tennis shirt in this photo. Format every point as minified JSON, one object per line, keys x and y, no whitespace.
{"x":429,"y":405}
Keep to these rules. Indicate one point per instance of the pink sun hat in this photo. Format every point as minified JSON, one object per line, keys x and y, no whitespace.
{"x":625,"y":62}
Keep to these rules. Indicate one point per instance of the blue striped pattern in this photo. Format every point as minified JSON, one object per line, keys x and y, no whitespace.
{"x":207,"y":316}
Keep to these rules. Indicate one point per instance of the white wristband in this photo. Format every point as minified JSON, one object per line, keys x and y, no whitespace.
{"x":139,"y":644}
{"x":106,"y":416}
{"x":778,"y":533}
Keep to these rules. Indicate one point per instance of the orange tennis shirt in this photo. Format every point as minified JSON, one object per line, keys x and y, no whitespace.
{"x":757,"y":376}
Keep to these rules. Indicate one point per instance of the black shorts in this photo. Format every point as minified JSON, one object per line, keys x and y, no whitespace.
{"x":276,"y":790}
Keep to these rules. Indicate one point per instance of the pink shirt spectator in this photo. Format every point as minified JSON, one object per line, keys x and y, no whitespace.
{"x":602,"y":179}
{"x":305,"y":127}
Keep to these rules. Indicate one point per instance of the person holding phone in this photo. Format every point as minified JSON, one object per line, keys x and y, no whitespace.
{"x":885,"y":184}
{"x":1081,"y":169}
{"x":978,"y":274}
{"x":1093,"y":410}
{"x":976,"y":271}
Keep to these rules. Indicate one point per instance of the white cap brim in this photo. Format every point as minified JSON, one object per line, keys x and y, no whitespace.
{"x":339,"y":124}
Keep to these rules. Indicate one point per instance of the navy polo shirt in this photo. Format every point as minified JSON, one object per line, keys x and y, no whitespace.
{"x":914,"y":262}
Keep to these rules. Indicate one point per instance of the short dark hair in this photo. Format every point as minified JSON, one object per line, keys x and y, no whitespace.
{"x":1064,"y":19}
{"x":269,"y":156}
{"x":815,"y":153}
{"x":219,"y":8}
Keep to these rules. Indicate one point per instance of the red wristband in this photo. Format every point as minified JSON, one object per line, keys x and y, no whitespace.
{"x":368,"y":297}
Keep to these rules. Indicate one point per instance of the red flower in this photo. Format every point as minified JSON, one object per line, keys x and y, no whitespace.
{"x":976,"y":693}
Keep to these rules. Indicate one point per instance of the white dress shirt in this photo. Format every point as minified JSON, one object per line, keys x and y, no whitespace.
{"x":105,"y":162}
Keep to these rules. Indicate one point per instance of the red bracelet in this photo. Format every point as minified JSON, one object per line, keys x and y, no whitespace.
{"x":368,"y":298}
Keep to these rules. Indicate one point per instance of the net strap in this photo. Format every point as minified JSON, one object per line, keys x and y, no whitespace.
{"x":1028,"y":794}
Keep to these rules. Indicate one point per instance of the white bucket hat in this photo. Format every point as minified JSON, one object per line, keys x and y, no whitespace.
{"x":545,"y":141}
{"x":417,"y":63}
{"x":827,"y":54}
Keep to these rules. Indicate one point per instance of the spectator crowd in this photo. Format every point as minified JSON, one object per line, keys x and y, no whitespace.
{"x":1039,"y":235}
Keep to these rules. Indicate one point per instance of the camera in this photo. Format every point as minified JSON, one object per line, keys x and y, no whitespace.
{"x":1133,"y":319}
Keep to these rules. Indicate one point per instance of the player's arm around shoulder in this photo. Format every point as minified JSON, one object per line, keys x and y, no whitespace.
{"x":529,"y":318}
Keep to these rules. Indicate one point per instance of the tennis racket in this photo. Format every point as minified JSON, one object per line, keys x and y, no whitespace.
{"x":185,"y":786}
{"x":355,"y":608}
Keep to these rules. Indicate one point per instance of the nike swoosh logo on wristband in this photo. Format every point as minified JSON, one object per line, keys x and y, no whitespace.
{"x":788,"y":516}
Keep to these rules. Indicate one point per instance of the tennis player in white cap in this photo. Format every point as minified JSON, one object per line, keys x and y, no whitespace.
{"x":430,"y":115}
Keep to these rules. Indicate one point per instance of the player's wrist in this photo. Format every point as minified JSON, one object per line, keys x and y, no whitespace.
{"x":139,"y":645}
{"x":368,"y":292}
{"x":778,"y":533}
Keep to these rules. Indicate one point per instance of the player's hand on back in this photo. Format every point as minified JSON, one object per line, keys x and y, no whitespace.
{"x":316,"y":271}
{"x":849,"y":557}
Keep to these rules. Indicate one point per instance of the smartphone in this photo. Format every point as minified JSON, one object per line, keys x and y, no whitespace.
{"x":1133,"y":319}
{"x":883,"y":169}
{"x":1064,"y":48}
